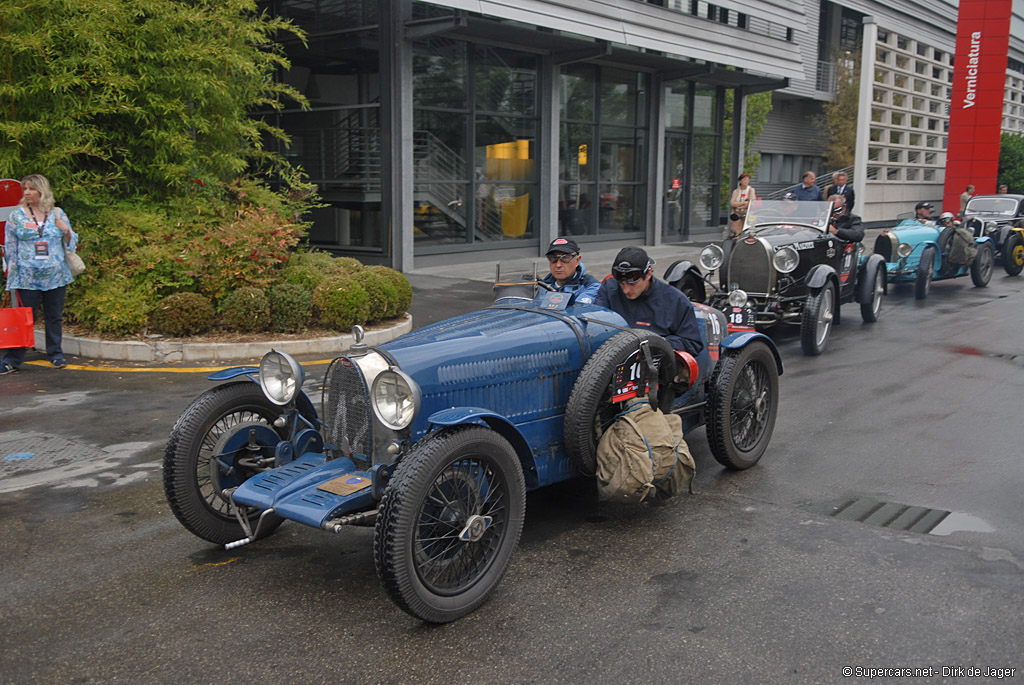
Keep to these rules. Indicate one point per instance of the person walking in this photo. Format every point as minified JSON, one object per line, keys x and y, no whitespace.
{"x":965,"y":197}
{"x":739,"y":202}
{"x":36,"y":235}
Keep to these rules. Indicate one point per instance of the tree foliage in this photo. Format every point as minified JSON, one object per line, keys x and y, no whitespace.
{"x":839,"y":118}
{"x":126,"y":97}
{"x":1011,"y":161}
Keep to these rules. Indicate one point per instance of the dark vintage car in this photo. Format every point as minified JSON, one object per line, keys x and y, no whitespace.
{"x":1001,"y":218}
{"x":434,"y":437}
{"x":786,"y":268}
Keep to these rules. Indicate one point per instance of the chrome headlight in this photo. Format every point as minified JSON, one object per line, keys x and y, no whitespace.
{"x":737,"y":298}
{"x":395,"y":398}
{"x":904,"y":249}
{"x":786,"y":259}
{"x":281,"y":377}
{"x":711,"y":257}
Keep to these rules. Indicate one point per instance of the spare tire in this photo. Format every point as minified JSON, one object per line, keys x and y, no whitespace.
{"x":590,"y":410}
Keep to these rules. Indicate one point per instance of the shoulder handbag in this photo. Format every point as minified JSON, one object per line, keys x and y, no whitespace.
{"x":16,"y":325}
{"x":74,"y":262}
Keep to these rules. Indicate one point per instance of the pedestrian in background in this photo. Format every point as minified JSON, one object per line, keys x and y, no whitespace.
{"x":36,"y":235}
{"x":739,"y":202}
{"x":1003,"y":189}
{"x":841,"y":187}
{"x":965,"y":197}
{"x":807,"y":190}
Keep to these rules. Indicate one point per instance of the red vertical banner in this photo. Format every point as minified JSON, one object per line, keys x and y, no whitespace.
{"x":976,"y":110}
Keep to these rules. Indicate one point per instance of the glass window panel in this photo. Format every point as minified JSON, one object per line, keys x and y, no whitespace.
{"x":439,"y":146}
{"x":705,"y":109}
{"x":578,"y":83}
{"x":895,"y":155}
{"x":343,"y":225}
{"x":439,"y":73}
{"x":576,"y":210}
{"x":621,"y":153}
{"x":439,"y":213}
{"x":874,"y":154}
{"x":677,"y":102}
{"x":892,"y":174}
{"x":898,"y":99}
{"x":620,"y":208}
{"x":576,"y":154}
{"x":702,"y":204}
{"x":505,"y":148}
{"x":913,"y":157}
{"x":506,"y":211}
{"x":928,"y":175}
{"x":704,"y":166}
{"x":505,"y":80}
{"x":622,"y":97}
{"x":872,"y":173}
{"x":896,"y":118}
{"x":911,"y":174}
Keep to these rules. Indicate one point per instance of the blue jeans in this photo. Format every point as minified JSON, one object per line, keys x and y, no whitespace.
{"x":52,"y":302}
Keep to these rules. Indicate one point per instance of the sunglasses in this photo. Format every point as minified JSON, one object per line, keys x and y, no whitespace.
{"x":628,"y":277}
{"x":561,"y":257}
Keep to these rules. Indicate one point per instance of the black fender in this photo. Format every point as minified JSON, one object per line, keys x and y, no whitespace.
{"x":866,"y":277}
{"x":819,"y":275}
{"x":679,"y":270}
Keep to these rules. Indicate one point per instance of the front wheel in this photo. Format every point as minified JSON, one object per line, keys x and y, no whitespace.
{"x":209,"y":451}
{"x":869,"y":310}
{"x":1013,"y":254}
{"x":925,"y":270}
{"x":816,"y":321}
{"x":449,"y":522}
{"x":981,"y":267}
{"x":742,"y":405}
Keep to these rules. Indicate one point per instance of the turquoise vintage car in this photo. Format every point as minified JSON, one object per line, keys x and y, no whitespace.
{"x":918,"y":253}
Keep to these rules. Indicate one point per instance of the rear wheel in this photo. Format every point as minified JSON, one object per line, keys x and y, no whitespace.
{"x":449,"y":523}
{"x":1013,"y":254}
{"x":869,"y":310}
{"x":982,"y":266}
{"x":925,"y":269}
{"x":816,"y":321}
{"x":742,"y":405}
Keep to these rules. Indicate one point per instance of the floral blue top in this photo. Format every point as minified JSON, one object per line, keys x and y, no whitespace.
{"x":35,"y":259}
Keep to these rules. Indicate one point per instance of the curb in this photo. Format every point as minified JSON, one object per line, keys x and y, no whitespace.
{"x":181,"y":351}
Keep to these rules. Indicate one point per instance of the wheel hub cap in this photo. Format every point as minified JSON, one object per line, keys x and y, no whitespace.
{"x":475,"y":528}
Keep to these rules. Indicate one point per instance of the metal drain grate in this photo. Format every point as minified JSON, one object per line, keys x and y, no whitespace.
{"x":889,"y":515}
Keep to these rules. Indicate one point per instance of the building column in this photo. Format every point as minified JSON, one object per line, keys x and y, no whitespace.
{"x":656,"y":164}
{"x":550,"y":104}
{"x":864,"y":100}
{"x":397,"y":176}
{"x":739,"y":134}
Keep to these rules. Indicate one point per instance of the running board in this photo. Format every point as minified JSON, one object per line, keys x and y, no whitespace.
{"x":309,"y":490}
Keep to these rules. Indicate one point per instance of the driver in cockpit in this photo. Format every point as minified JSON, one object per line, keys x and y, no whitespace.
{"x":844,"y":225}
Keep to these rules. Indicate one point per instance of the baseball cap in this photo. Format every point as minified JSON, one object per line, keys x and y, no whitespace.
{"x":567,"y":245}
{"x":923,"y":205}
{"x":631,"y":259}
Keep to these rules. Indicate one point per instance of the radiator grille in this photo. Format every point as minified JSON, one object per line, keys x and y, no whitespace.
{"x":750,"y":267}
{"x":883,"y":246}
{"x":346,"y":411}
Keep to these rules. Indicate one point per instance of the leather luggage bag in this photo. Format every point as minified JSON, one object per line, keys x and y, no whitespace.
{"x":16,"y":325}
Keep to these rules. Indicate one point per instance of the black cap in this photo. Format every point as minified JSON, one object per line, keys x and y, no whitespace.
{"x":631,"y":259}
{"x":567,"y":245}
{"x":923,"y":205}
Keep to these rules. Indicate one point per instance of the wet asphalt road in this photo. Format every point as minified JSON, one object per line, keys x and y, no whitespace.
{"x":749,"y":580}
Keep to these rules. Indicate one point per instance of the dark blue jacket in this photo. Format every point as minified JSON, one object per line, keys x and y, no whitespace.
{"x":582,"y":285}
{"x":661,"y":309}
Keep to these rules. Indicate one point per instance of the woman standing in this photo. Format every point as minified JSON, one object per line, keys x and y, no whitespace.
{"x":740,"y":201}
{"x":36,"y":236}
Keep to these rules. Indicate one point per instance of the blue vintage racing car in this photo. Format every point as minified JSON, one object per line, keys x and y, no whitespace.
{"x":919,"y":253}
{"x":434,"y":437}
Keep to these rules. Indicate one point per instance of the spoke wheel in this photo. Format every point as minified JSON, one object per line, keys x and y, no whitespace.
{"x":925,"y":270}
{"x":742,"y":405}
{"x":449,"y":522}
{"x":816,"y":320}
{"x":869,"y":310}
{"x":206,"y":454}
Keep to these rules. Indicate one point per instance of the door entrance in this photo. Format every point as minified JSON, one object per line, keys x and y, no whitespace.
{"x":673,"y":226}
